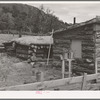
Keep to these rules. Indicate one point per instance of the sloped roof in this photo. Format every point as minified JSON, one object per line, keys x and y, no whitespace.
{"x":27,"y":40}
{"x":92,"y":21}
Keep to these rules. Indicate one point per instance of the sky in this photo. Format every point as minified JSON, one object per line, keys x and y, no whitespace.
{"x":67,"y":11}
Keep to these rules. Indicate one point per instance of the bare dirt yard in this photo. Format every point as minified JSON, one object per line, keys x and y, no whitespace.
{"x":15,"y":71}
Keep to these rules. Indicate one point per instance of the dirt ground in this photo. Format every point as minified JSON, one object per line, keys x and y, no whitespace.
{"x":14,"y":71}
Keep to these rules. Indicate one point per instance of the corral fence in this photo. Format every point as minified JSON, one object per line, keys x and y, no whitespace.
{"x":85,"y":82}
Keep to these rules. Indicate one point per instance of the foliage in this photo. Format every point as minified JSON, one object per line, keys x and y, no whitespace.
{"x":27,"y":18}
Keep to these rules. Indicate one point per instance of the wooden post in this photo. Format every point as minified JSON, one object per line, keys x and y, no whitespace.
{"x":70,"y":67}
{"x":63,"y":68}
{"x":49,"y":49}
{"x":42,"y":77}
{"x":63,"y":65}
{"x":84,"y":81}
{"x":96,"y":66}
{"x":63,"y":58}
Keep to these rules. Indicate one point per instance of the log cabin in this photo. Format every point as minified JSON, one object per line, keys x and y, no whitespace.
{"x":84,"y":40}
{"x":24,"y":46}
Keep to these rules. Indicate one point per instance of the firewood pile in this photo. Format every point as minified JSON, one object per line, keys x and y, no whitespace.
{"x":26,"y":52}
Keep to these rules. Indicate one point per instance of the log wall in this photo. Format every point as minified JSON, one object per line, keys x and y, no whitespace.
{"x":22,"y":51}
{"x":87,"y":36}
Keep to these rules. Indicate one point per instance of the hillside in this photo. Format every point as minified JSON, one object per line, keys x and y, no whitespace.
{"x":22,"y":17}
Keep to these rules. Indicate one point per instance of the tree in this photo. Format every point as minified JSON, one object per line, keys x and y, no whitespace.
{"x":45,"y":22}
{"x":15,"y":11}
{"x":7,"y":21}
{"x":20,"y":22}
{"x":27,"y":18}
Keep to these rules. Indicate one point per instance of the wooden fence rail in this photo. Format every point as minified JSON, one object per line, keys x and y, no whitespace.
{"x":60,"y":84}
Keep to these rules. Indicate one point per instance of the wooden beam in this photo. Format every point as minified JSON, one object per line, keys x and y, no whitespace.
{"x":49,"y":84}
{"x":84,"y":81}
{"x":70,"y":69}
{"x":63,"y":68}
{"x":96,"y":66}
{"x":49,"y":49}
{"x":93,"y":86}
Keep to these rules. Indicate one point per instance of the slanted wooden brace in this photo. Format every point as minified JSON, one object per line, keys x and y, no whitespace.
{"x":67,"y":57}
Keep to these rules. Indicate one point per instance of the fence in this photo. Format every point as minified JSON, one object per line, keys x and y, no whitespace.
{"x":85,"y":82}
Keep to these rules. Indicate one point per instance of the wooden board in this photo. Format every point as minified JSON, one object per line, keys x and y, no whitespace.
{"x":54,"y":83}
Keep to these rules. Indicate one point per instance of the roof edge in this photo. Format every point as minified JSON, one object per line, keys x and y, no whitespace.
{"x":91,"y":21}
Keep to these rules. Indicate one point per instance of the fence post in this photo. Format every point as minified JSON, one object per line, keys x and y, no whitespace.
{"x":63,"y":65}
{"x":70,"y":71}
{"x":63,"y":68}
{"x":84,"y":81}
{"x":96,"y":66}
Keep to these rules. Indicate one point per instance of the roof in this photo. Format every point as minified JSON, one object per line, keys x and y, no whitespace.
{"x":27,"y":40}
{"x":92,"y":21}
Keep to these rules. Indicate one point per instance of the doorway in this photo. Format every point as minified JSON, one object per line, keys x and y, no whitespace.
{"x":76,"y":47}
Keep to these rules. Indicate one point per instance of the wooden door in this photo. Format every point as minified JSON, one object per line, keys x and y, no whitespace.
{"x":76,"y":47}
